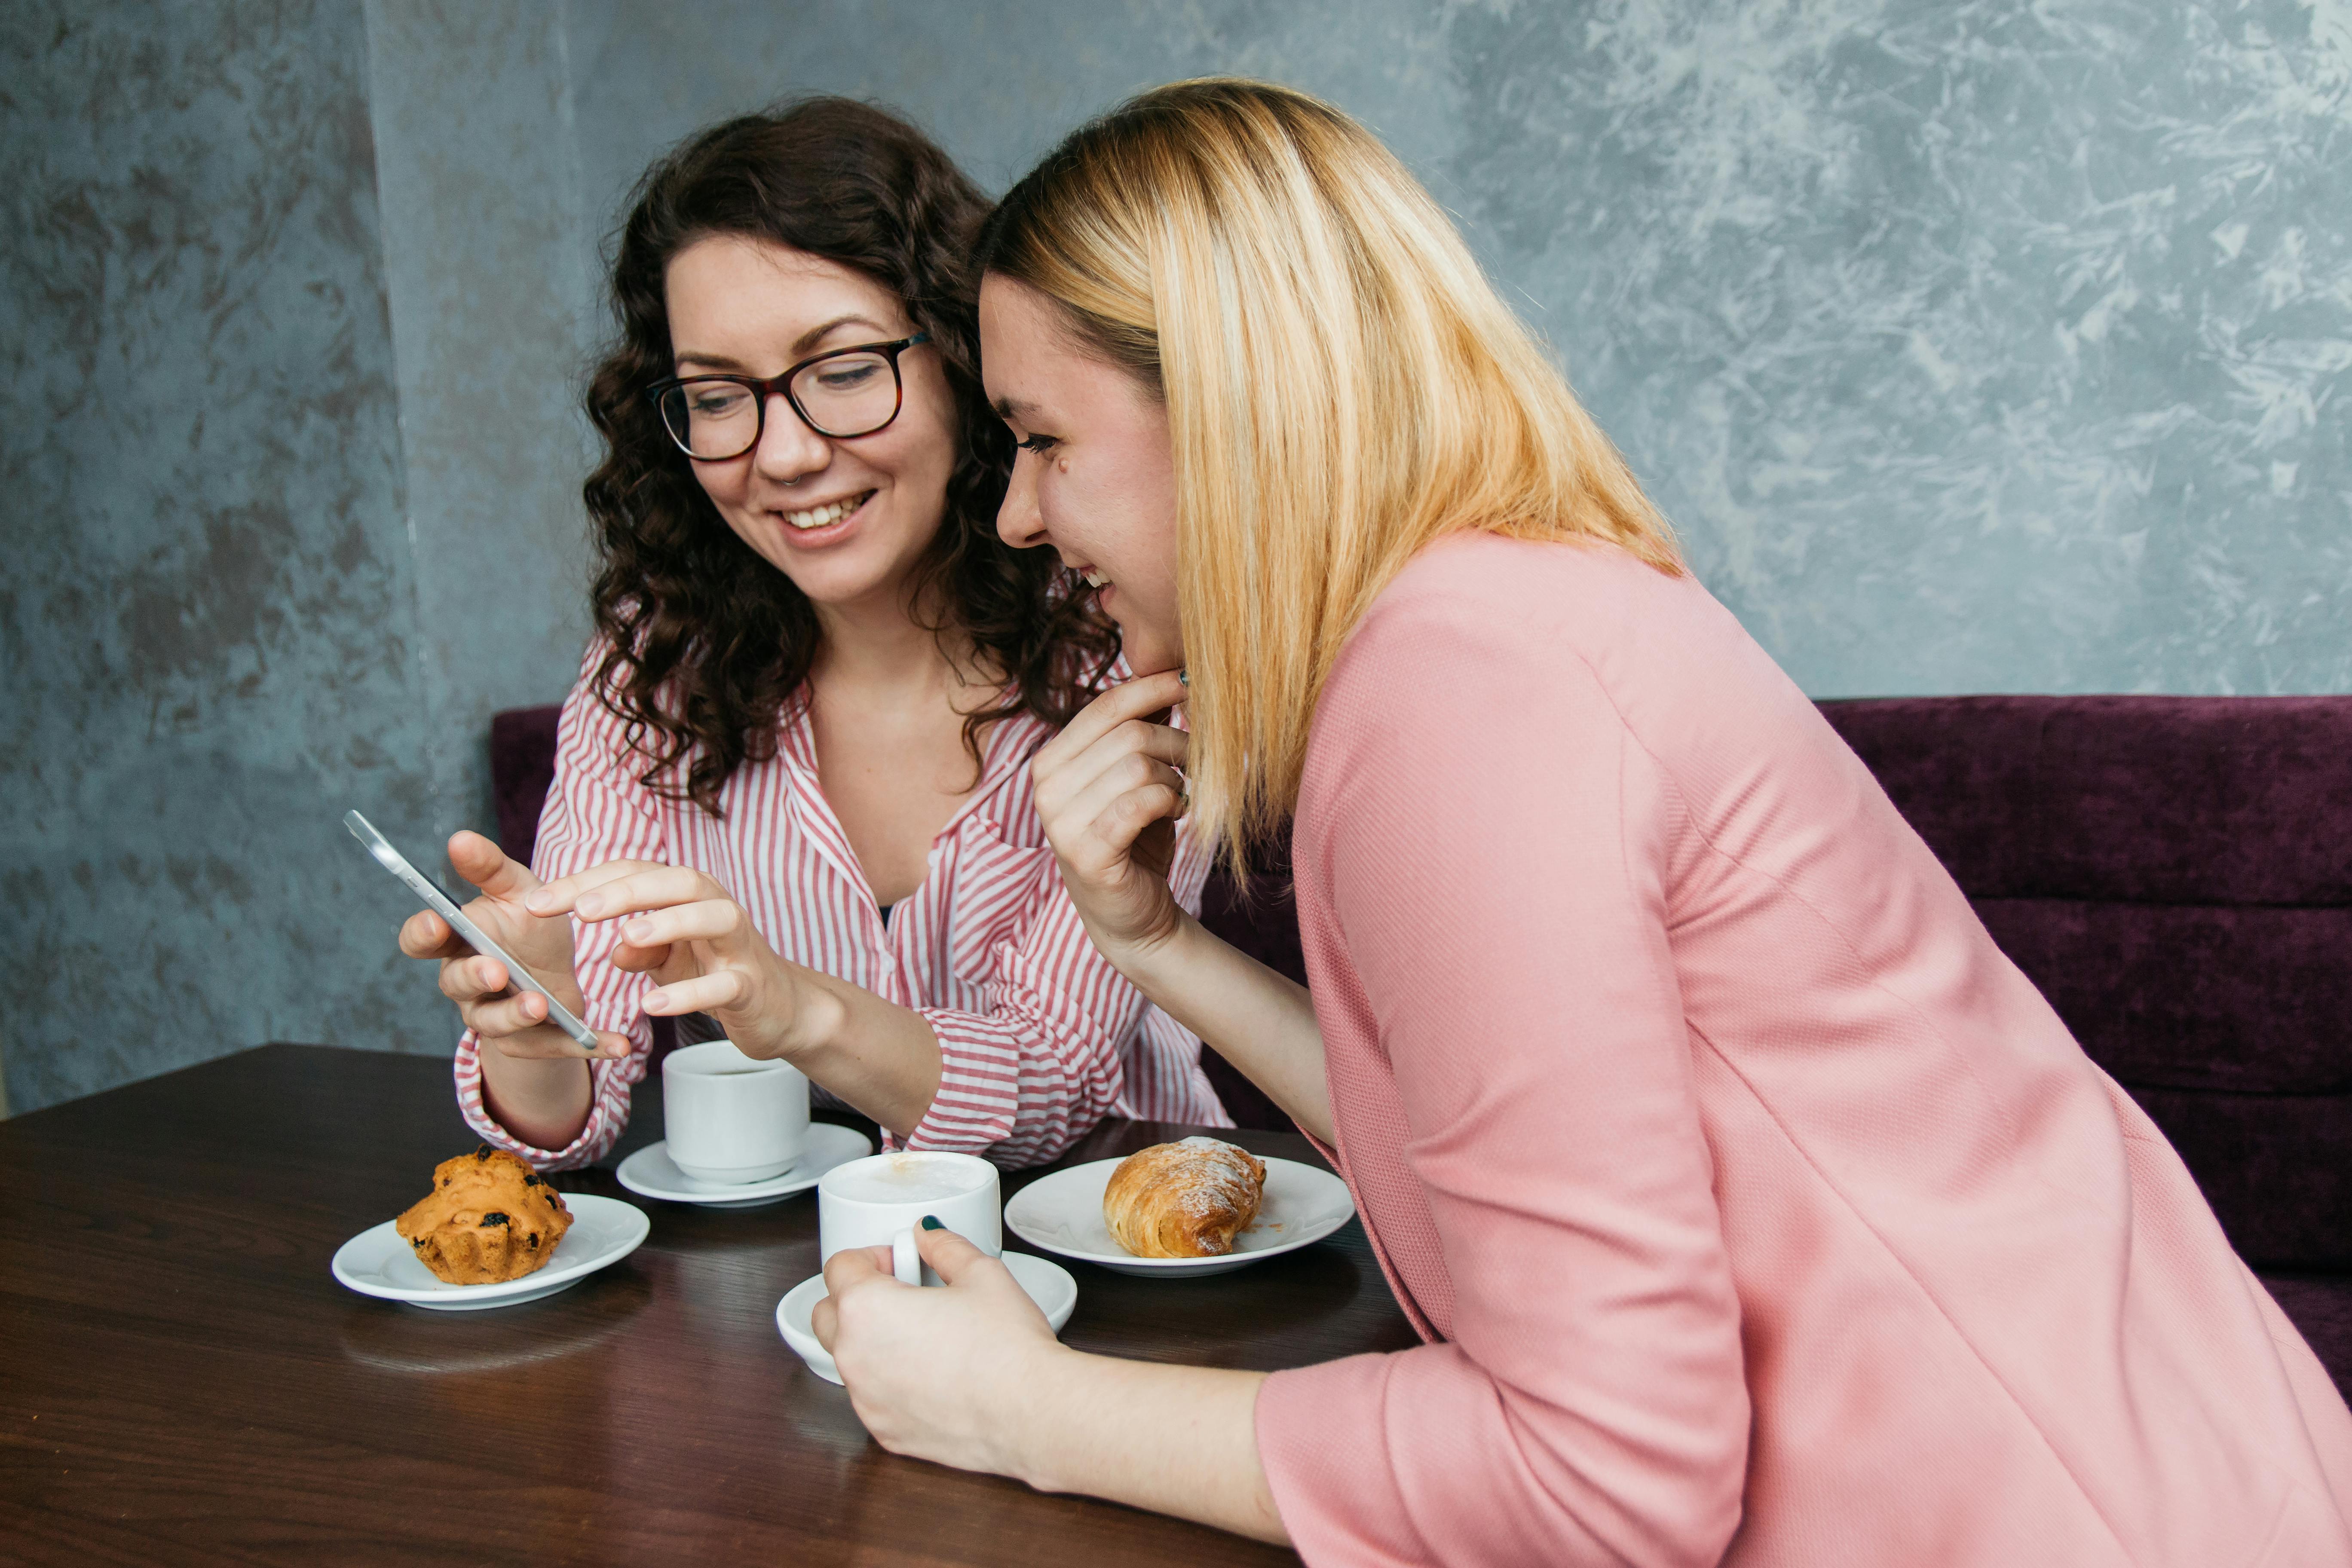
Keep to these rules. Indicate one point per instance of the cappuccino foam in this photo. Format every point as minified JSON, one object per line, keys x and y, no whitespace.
{"x":904,"y":1178}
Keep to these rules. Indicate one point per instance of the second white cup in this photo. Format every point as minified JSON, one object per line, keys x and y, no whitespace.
{"x":878,"y":1201}
{"x":729,"y":1119}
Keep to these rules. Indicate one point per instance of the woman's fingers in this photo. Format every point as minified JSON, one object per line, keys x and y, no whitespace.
{"x":851,"y":1269}
{"x":703,"y":994}
{"x":631,"y":959}
{"x":1132,"y":739}
{"x":953,"y":1257}
{"x":426,"y":935}
{"x":487,"y":866}
{"x":1114,"y":808}
{"x":1131,"y":744}
{"x":517,"y":1014}
{"x":516,"y":1022}
{"x":472,"y":978}
{"x":1145,"y":694}
{"x":719,"y":921}
{"x":480,"y":987}
{"x":559,"y":896}
{"x":639,"y":888}
{"x":1060,"y":759}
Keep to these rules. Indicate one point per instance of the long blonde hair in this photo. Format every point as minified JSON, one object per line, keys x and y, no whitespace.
{"x":1342,"y":384}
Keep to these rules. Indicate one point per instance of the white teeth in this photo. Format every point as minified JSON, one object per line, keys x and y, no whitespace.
{"x":823,"y":516}
{"x":1095,"y":579}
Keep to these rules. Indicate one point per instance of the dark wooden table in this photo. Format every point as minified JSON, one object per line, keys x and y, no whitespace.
{"x":182,"y":1381}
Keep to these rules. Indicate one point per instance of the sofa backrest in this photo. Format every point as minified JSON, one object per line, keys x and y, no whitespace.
{"x":2175,"y":873}
{"x":522,"y":770}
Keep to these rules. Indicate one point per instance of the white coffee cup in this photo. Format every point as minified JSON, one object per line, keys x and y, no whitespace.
{"x":729,"y":1119}
{"x":878,"y":1201}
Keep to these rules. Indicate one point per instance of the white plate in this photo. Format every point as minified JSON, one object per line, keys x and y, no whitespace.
{"x":1048,"y":1284}
{"x":378,"y":1262}
{"x":650,"y":1172}
{"x":1063,"y":1213}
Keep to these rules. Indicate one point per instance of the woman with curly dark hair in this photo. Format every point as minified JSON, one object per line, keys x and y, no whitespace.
{"x":792,"y":786}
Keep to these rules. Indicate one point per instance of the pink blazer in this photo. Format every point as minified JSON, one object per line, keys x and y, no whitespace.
{"x":1754,"y":1207}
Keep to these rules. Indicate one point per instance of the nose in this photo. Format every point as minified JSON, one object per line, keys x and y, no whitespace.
{"x":1019,"y":522}
{"x":789,"y":451}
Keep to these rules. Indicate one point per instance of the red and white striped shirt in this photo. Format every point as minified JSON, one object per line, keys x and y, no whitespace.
{"x":1039,"y":1036}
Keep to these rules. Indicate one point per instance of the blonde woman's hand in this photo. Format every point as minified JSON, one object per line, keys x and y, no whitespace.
{"x":689,"y":934}
{"x":510,"y":1022}
{"x":1109,"y":790}
{"x":947,"y":1374}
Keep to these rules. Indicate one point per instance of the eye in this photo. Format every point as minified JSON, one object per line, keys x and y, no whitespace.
{"x":847,"y":377}
{"x":712,"y":401}
{"x":1039,"y":444}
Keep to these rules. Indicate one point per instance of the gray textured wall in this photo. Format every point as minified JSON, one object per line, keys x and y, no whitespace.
{"x":490,"y":291}
{"x":1972,"y":346}
{"x":208,"y":618}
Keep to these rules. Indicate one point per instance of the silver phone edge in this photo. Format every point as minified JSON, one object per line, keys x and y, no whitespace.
{"x":383,"y":853}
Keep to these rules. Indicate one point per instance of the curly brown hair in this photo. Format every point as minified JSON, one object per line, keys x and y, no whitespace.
{"x":707,"y":642}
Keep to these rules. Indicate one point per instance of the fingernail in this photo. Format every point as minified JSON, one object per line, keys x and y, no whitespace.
{"x":638,"y":930}
{"x":537,"y":900}
{"x":931,"y":1221}
{"x":591,"y":905}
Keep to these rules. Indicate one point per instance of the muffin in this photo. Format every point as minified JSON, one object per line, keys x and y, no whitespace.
{"x":488,"y":1219}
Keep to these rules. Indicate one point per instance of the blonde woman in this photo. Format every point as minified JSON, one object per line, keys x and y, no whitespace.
{"x":1753,"y":1207}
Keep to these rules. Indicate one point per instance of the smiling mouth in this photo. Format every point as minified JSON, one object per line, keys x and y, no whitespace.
{"x":825,"y":516}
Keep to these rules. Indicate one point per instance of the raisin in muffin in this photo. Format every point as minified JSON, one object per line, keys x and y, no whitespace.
{"x":488,"y":1219}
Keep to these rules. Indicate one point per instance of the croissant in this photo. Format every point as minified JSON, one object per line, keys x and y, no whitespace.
{"x":1183,"y":1200}
{"x":489,"y":1218}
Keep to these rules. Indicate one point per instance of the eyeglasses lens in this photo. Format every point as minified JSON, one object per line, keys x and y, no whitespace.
{"x":848,"y":394}
{"x":712,"y":418}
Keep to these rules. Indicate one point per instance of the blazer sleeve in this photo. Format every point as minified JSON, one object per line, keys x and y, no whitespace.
{"x":595,"y":811}
{"x":1491,"y":846}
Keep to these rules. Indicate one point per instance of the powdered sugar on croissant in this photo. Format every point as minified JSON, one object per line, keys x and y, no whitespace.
{"x":1183,"y":1200}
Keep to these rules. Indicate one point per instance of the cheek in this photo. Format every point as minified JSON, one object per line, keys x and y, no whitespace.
{"x":929,"y":423}
{"x":724,"y":483}
{"x":1146,"y":546}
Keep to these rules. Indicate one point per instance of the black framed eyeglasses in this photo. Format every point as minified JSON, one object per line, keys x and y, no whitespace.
{"x":839,"y":394}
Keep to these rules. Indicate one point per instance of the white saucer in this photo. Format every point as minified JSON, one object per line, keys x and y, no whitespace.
{"x":378,"y":1262}
{"x":1048,"y":1284}
{"x":1063,"y":1213}
{"x":650,"y":1172}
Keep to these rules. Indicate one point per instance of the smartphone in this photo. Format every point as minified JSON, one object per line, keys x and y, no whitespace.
{"x":393,"y":861}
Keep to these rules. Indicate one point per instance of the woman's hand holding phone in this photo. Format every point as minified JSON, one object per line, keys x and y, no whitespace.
{"x":1109,"y":794}
{"x":511,"y":1023}
{"x":686,"y":930}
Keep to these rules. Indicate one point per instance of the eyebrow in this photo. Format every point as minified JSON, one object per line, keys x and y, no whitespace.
{"x":1012,"y":408}
{"x":801,"y":345}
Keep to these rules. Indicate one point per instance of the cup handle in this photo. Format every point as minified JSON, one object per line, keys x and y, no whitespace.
{"x":905,"y":1261}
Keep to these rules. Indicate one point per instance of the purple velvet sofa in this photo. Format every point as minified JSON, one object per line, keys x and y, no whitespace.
{"x":2175,"y":873}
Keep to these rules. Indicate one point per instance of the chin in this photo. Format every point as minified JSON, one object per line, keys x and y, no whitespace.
{"x":1150,"y":655}
{"x":848,"y":575}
